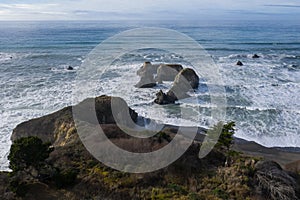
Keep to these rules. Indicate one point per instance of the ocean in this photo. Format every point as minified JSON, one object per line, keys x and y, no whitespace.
{"x":262,"y":95}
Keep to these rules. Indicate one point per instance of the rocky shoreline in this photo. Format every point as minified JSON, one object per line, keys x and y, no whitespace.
{"x":246,"y":171}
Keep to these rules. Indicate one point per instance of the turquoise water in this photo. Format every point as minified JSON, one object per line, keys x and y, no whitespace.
{"x":263,"y":95}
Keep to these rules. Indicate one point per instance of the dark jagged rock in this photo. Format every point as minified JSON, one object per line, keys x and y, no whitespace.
{"x":162,"y":98}
{"x":168,"y":72}
{"x":255,"y":56}
{"x":185,"y":81}
{"x":70,"y":68}
{"x":239,"y":63}
{"x":274,"y":182}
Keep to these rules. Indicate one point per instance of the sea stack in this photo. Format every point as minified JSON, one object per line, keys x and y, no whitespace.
{"x":168,"y":72}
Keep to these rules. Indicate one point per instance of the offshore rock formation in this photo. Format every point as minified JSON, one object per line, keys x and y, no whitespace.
{"x":146,"y":72}
{"x":185,"y":81}
{"x":168,"y":72}
{"x":163,"y":72}
{"x":147,"y":68}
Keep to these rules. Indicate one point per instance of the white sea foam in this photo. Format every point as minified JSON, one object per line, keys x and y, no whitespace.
{"x":21,"y":101}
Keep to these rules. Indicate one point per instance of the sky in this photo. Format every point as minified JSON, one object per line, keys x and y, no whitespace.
{"x":149,"y":9}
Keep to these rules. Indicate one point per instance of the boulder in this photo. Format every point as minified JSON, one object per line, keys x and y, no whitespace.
{"x":239,"y":63}
{"x":255,"y":56}
{"x":168,"y":72}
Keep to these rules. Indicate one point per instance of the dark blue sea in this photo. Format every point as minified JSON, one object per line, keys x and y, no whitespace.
{"x":262,"y":95}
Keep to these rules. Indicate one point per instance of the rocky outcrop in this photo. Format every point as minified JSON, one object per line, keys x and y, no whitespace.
{"x":185,"y":81}
{"x":168,"y":72}
{"x":56,"y":127}
{"x":163,"y":98}
{"x":48,"y":126}
{"x":255,"y":56}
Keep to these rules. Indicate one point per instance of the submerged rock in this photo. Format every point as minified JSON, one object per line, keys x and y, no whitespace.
{"x":239,"y":63}
{"x":168,"y":72}
{"x":255,"y":56}
{"x":70,"y":68}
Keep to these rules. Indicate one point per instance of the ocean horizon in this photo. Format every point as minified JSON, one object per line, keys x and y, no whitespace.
{"x":262,"y":95}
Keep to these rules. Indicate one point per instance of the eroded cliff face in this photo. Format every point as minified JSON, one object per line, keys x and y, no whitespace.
{"x":73,"y":173}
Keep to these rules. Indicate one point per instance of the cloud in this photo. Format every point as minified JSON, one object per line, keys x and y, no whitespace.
{"x":142,"y":9}
{"x":27,"y":6}
{"x":283,"y":6}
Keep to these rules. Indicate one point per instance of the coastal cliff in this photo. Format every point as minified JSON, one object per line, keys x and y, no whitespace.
{"x":71,"y":172}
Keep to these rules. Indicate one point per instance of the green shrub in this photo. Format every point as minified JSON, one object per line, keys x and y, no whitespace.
{"x":28,"y":151}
